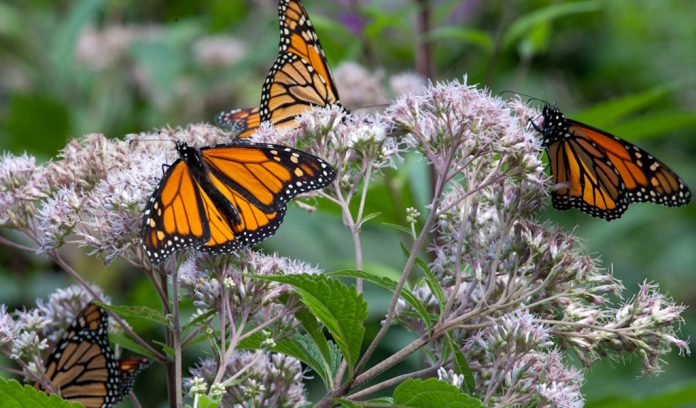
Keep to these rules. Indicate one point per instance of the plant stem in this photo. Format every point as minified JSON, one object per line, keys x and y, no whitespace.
{"x":410,"y":263}
{"x":424,"y":60}
{"x":176,"y":332}
{"x":426,"y":372}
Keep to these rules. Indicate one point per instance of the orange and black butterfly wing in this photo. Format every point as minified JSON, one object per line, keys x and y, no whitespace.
{"x":300,"y":77}
{"x":601,"y":174}
{"x":258,"y":180}
{"x":242,"y":122}
{"x":128,"y":369}
{"x":175,"y":215}
{"x":82,"y":367}
{"x":644,"y":177}
{"x":585,"y":179}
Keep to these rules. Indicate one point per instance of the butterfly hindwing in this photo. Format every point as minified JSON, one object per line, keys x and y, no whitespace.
{"x":242,"y":122}
{"x":584,"y":179}
{"x":601,"y":174}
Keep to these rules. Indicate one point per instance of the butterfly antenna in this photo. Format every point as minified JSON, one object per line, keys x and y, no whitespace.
{"x":133,"y":140}
{"x":530,"y":98}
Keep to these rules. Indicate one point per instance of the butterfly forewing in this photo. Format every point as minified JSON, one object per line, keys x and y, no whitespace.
{"x":646,"y":179}
{"x":267,"y":174}
{"x":174,"y":215}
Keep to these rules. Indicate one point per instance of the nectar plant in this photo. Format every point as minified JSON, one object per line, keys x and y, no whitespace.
{"x":496,"y":299}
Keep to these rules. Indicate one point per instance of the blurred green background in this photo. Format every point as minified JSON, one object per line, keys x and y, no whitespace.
{"x":68,"y":68}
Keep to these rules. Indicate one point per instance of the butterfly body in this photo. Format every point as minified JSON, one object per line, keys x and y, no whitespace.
{"x":219,"y":198}
{"x":601,"y":174}
{"x":82,"y":366}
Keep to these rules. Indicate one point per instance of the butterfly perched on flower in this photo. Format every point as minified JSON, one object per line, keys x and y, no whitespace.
{"x":601,"y":174}
{"x":82,"y":367}
{"x":219,"y":198}
{"x":298,"y":80}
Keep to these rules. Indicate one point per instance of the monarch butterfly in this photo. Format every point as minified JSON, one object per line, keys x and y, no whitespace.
{"x":299,"y":78}
{"x":219,"y":198}
{"x":82,"y":367}
{"x":601,"y":174}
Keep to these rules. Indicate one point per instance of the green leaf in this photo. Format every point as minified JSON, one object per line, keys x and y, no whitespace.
{"x":464,"y":35}
{"x":535,"y":42}
{"x":650,"y":126}
{"x":340,"y":308}
{"x":608,"y":113}
{"x":165,"y":348}
{"x":305,"y":349}
{"x":432,"y":283}
{"x":389,"y":284}
{"x":529,"y":21}
{"x":252,"y":342}
{"x":201,"y":317}
{"x":310,"y":324}
{"x":397,"y":227}
{"x":374,"y":403}
{"x":127,"y":343}
{"x":346,"y":403}
{"x":461,"y":366}
{"x":25,"y":132}
{"x":432,"y":393}
{"x":369,"y":217}
{"x":82,"y":14}
{"x":430,"y":280}
{"x":16,"y":395}
{"x":681,"y":396}
{"x":138,"y":312}
{"x":206,"y":401}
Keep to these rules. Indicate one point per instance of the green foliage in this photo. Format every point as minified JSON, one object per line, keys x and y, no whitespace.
{"x":127,"y":343}
{"x":138,"y":312}
{"x":529,"y":21}
{"x":389,"y":284}
{"x":39,"y":121}
{"x":610,"y":58}
{"x":673,"y":397}
{"x":461,"y":366}
{"x":15,"y":395}
{"x":432,"y":393}
{"x":305,"y":349}
{"x":206,"y":401}
{"x":338,"y":307}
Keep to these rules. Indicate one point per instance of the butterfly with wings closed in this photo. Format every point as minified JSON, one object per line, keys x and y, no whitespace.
{"x":219,"y":198}
{"x":298,"y":80}
{"x":601,"y":174}
{"x":82,"y":367}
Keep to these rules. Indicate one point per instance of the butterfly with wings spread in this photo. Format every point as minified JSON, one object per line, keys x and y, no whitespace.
{"x":219,"y":198}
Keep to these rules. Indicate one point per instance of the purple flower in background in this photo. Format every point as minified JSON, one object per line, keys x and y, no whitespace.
{"x":353,"y":21}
